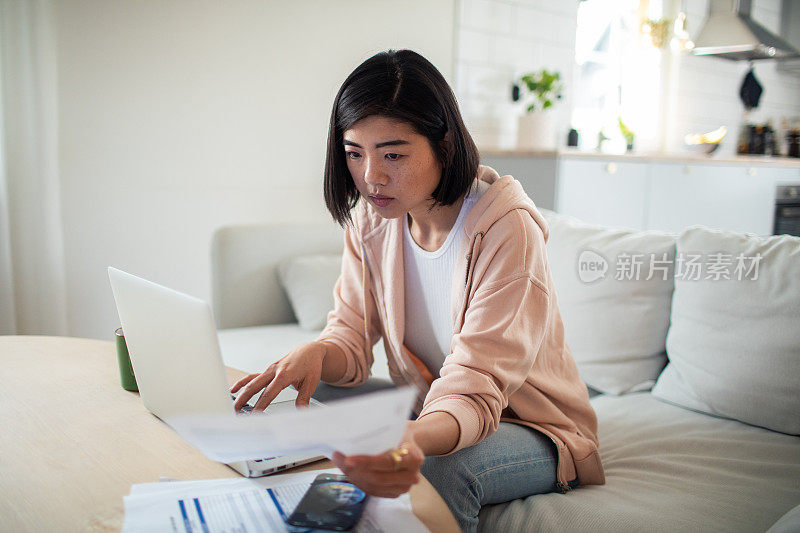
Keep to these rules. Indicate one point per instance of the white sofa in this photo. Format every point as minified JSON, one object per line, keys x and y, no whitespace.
{"x":713,"y":446}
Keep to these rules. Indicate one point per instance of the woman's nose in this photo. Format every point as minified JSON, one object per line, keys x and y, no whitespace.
{"x":374,"y":174}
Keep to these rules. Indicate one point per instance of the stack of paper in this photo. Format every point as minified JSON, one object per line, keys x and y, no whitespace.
{"x":247,"y":505}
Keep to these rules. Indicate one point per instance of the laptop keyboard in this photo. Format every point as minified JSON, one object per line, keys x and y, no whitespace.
{"x":273,"y":408}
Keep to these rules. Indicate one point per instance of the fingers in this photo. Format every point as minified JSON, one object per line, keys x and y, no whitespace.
{"x":255,"y":384}
{"x":393,"y":492}
{"x":301,"y":367}
{"x":304,"y":393}
{"x":384,"y":463}
{"x":276,"y":385}
{"x":383,"y":490}
{"x":386,"y":484}
{"x":242,"y":382}
{"x":389,"y":480}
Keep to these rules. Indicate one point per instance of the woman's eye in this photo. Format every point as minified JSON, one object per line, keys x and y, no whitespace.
{"x":356,"y":155}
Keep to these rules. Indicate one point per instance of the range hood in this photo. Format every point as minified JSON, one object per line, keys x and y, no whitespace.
{"x":731,"y":33}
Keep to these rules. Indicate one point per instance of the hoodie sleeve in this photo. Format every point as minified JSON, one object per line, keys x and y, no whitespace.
{"x":504,"y":326}
{"x":347,"y":325}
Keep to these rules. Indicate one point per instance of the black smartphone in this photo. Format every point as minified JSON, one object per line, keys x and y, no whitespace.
{"x":332,"y":503}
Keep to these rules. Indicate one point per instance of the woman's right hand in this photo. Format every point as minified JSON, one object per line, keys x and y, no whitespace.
{"x":302,"y":367}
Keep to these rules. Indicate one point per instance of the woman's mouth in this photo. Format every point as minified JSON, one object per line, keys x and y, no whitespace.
{"x":380,"y":200}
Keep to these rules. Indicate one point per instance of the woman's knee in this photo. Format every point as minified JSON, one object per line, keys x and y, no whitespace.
{"x":447,"y":471}
{"x":452,"y":478}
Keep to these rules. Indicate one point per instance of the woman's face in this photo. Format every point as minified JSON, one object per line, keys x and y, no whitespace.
{"x":394,"y":168}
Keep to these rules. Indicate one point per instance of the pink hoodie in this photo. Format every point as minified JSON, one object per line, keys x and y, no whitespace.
{"x":509,"y":361}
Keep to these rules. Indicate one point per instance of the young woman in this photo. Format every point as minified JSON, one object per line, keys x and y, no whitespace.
{"x":446,"y":261}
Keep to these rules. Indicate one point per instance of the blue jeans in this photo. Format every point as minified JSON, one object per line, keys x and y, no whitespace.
{"x":514,"y":462}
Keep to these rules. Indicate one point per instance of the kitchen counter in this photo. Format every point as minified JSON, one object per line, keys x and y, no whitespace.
{"x":665,"y":192}
{"x":687,"y":158}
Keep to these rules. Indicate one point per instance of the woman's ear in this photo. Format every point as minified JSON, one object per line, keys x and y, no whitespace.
{"x":446,"y":146}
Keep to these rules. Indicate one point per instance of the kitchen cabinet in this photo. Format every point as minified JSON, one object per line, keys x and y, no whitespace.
{"x":612,"y":193}
{"x":536,"y":174}
{"x":733,"y":197}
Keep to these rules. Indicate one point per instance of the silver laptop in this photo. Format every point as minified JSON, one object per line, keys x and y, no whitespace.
{"x":177,"y":361}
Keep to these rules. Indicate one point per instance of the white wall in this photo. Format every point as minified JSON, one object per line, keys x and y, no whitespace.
{"x":178,"y":117}
{"x":498,"y":39}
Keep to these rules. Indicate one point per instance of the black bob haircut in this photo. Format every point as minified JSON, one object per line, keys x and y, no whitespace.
{"x":399,"y":84}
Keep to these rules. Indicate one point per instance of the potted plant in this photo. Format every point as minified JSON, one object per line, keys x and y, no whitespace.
{"x":536,"y":124}
{"x":627,"y":134}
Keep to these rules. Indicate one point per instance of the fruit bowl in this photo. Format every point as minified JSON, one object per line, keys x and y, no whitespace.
{"x":706,"y":143}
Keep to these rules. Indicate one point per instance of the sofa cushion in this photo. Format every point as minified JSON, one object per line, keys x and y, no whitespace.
{"x":615,"y":325}
{"x":308,"y":281}
{"x":734,"y":344}
{"x":670,"y":470}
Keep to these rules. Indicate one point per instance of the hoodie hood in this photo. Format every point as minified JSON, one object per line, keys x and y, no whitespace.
{"x":500,"y":196}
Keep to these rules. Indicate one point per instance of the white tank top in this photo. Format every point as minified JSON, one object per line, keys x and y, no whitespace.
{"x":428,"y":281}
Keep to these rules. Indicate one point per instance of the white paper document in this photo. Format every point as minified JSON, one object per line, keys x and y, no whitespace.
{"x":367,"y":424}
{"x":247,"y":505}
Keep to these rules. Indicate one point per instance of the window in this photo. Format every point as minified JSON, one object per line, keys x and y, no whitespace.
{"x":618,"y":76}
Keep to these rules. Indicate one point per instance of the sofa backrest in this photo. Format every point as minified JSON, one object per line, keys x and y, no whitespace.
{"x":244,"y":278}
{"x":616,"y":313}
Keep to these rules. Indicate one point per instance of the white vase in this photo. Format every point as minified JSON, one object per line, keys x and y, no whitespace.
{"x":537,"y":131}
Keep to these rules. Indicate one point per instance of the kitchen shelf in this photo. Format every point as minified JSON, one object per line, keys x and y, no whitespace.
{"x":752,"y":160}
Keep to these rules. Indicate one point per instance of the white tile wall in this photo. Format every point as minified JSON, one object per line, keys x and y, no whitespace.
{"x":501,"y":39}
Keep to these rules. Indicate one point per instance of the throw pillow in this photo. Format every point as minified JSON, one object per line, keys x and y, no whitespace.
{"x":308,"y":281}
{"x":734,"y":341}
{"x":613,"y":288}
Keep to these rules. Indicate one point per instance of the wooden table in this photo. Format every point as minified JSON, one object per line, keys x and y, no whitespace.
{"x":73,"y":441}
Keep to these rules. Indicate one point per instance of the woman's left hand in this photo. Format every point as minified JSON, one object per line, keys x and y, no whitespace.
{"x":384,"y":475}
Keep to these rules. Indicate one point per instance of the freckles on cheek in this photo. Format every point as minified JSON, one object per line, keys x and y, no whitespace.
{"x":359,"y":183}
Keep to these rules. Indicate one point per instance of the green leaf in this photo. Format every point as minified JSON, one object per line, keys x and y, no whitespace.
{"x":543,"y":85}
